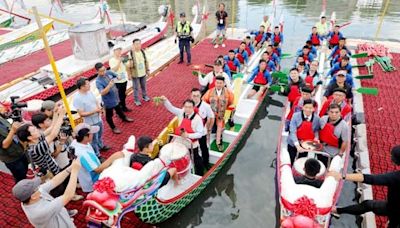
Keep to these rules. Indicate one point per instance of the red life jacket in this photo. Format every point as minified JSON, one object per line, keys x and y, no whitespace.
{"x":277,"y":38}
{"x":248,"y":50}
{"x":334,"y":39}
{"x":240,"y":57}
{"x":294,"y":93}
{"x":315,"y":40}
{"x":260,"y":79}
{"x":339,"y":60}
{"x":275,"y":51}
{"x":186,"y":125}
{"x":337,"y":52}
{"x":309,"y":81}
{"x":305,"y":130}
{"x":327,"y":134}
{"x":345,"y":110}
{"x":306,"y":58}
{"x":231,"y":65}
{"x":196,"y":110}
{"x":259,"y":37}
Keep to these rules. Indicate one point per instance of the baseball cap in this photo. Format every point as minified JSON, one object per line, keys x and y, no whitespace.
{"x":24,"y":189}
{"x":182,"y":14}
{"x":341,"y":72}
{"x":116,"y":47}
{"x":48,"y":105}
{"x":81,"y":126}
{"x":339,"y":90}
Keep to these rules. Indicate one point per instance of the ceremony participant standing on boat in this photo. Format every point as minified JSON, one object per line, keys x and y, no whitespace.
{"x":261,"y":78}
{"x":118,"y":66}
{"x":207,"y":115}
{"x":90,"y":110}
{"x":295,"y":83}
{"x":339,"y":98}
{"x":91,"y":165}
{"x":109,"y":94}
{"x":314,"y":37}
{"x":190,"y":127}
{"x":208,"y":81}
{"x":339,"y":83}
{"x":334,"y":37}
{"x":304,"y":126}
{"x":232,"y":62}
{"x":221,"y":16}
{"x":12,"y":151}
{"x":260,"y":37}
{"x":322,"y":27}
{"x":266,"y":23}
{"x":389,"y":207}
{"x":183,"y":32}
{"x":311,"y":169}
{"x":219,"y":99}
{"x":277,"y":36}
{"x":41,"y":209}
{"x":334,"y":133}
{"x":241,"y":53}
{"x":138,"y":71}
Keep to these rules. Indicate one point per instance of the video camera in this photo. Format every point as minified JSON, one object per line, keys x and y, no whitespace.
{"x":16,"y":109}
{"x":66,"y":127}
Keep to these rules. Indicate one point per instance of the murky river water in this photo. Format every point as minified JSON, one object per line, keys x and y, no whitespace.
{"x":244,"y":195}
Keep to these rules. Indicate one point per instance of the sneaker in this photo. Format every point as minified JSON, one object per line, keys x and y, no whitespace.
{"x":216,"y":46}
{"x":223,"y":45}
{"x":138,"y":103}
{"x":146,"y":98}
{"x":77,"y":197}
{"x":72,"y":213}
{"x":116,"y":131}
{"x":180,"y":62}
{"x":128,"y":120}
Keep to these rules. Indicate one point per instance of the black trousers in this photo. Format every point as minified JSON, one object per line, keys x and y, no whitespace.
{"x":121,"y":93}
{"x":184,"y":45}
{"x":18,"y":168}
{"x":198,"y":162}
{"x":378,"y":207}
{"x":110,"y":113}
{"x":205,"y":155}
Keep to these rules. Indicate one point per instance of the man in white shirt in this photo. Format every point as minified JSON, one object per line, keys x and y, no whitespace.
{"x":190,"y":126}
{"x":117,"y":65}
{"x":266,"y":23}
{"x":207,"y":115}
{"x":208,"y":81}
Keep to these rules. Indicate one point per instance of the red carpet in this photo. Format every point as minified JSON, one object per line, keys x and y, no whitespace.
{"x":31,"y":63}
{"x":175,"y":82}
{"x":382,"y":115}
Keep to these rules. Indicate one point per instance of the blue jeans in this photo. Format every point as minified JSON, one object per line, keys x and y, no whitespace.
{"x":184,"y":45}
{"x":18,"y":168}
{"x":136,"y":82}
{"x":97,"y":142}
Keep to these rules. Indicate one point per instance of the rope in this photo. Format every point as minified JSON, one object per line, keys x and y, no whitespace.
{"x":381,"y":20}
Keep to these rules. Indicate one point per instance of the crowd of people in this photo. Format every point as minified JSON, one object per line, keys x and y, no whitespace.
{"x":59,"y":158}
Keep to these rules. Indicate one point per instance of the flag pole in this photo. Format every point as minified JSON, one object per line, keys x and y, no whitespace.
{"x":53,"y":66}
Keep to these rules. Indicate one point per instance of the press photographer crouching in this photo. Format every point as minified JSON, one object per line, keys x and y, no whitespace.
{"x":11,"y":149}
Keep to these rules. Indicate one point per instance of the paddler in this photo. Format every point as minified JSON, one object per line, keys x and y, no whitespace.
{"x":312,"y":79}
{"x":249,"y":46}
{"x":207,"y":115}
{"x":339,"y":83}
{"x":241,"y":53}
{"x":260,"y":37}
{"x":225,"y":66}
{"x":334,"y":133}
{"x":322,"y":27}
{"x":183,"y":32}
{"x":344,"y":65}
{"x":295,"y":83}
{"x":270,"y":64}
{"x":208,"y":81}
{"x":306,"y":94}
{"x":219,"y":99}
{"x":339,"y":98}
{"x":304,"y":126}
{"x":261,"y":79}
{"x":312,"y":49}
{"x":314,"y":37}
{"x":334,"y":37}
{"x":301,"y":68}
{"x":277,"y":36}
{"x":190,"y":126}
{"x":306,"y":54}
{"x":277,"y":50}
{"x":272,"y":56}
{"x":336,"y":50}
{"x":338,"y":58}
{"x":221,"y":16}
{"x":232,"y":62}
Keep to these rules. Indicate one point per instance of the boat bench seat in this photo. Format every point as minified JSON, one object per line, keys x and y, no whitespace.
{"x":299,"y":166}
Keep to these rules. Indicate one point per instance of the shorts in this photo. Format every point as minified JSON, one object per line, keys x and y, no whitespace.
{"x":256,"y":88}
{"x":221,"y":30}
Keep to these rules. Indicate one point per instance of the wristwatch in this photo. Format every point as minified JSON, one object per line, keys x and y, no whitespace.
{"x":343,"y":176}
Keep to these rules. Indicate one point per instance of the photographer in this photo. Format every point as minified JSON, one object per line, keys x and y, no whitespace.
{"x":11,"y":150}
{"x":38,"y":143}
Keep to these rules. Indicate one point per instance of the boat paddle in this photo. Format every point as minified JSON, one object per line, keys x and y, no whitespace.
{"x":368,"y":91}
